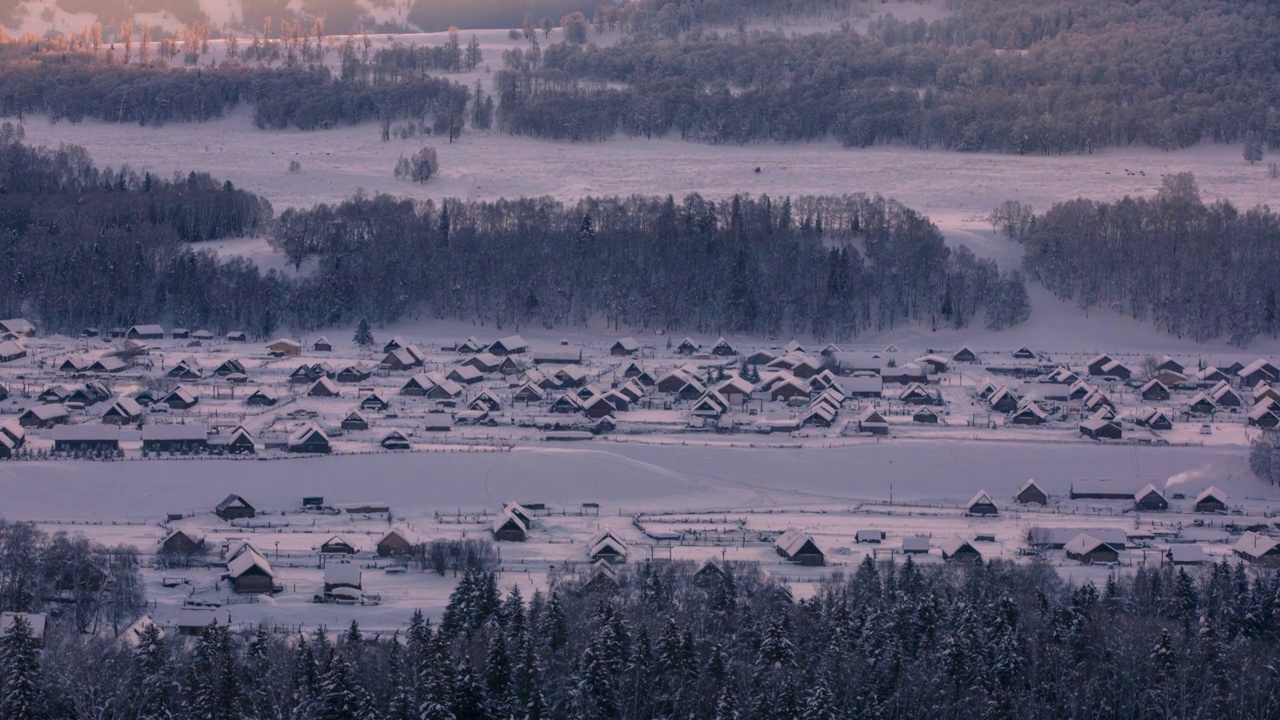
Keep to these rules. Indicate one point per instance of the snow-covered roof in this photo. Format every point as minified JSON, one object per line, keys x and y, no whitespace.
{"x":1084,"y":544}
{"x":916,"y":544}
{"x":195,"y":616}
{"x":187,"y":432}
{"x":792,"y":541}
{"x":48,"y":411}
{"x":191,"y":532}
{"x":628,"y":344}
{"x":342,"y":573}
{"x":301,"y":435}
{"x":981,"y":498}
{"x":1184,"y":554}
{"x":1253,"y":545}
{"x":34,"y":620}
{"x":247,"y":559}
{"x":1211,"y":492}
{"x":86,"y":433}
{"x":1147,"y":490}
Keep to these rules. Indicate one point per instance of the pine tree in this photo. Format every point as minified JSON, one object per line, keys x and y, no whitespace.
{"x":151,"y":664}
{"x":21,"y":693}
{"x":820,"y":704}
{"x":497,"y":675}
{"x":364,"y":334}
{"x":339,"y":698}
{"x":727,"y":705}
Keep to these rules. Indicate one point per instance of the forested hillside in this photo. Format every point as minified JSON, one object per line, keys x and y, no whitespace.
{"x":93,"y":247}
{"x":991,"y":641}
{"x":1194,"y":270}
{"x":1029,"y":77}
{"x":1026,"y":77}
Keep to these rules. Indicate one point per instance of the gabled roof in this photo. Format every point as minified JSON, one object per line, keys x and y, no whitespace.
{"x":1212,"y":492}
{"x":324,"y":385}
{"x":233,"y":500}
{"x":871,"y":416}
{"x":982,"y":498}
{"x":246,"y":559}
{"x":1083,"y":544}
{"x":305,"y":433}
{"x":1147,"y":490}
{"x":181,"y":393}
{"x":1031,"y":483}
{"x":191,"y":532}
{"x":792,"y":541}
{"x":628,"y":344}
{"x":409,"y":536}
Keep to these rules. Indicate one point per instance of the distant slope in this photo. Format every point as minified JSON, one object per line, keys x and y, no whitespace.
{"x":38,"y":17}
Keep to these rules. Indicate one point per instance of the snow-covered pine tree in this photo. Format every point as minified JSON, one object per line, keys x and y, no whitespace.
{"x":152,"y":676}
{"x":364,"y":334}
{"x":21,"y":682}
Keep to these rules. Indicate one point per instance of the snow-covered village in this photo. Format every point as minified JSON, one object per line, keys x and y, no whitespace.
{"x":639,"y":359}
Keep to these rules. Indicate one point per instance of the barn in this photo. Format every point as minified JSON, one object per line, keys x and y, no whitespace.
{"x":125,"y":411}
{"x":325,"y":388}
{"x":871,"y":421}
{"x":145,"y":332}
{"x":337,"y":545}
{"x":394,"y":440}
{"x":624,"y":347}
{"x":798,"y":546}
{"x":926,"y":415}
{"x":322,"y":344}
{"x":964,"y":354}
{"x":1154,"y":391}
{"x":249,"y":571}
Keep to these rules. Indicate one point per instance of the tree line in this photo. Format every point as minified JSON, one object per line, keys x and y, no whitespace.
{"x":831,"y":266}
{"x":77,"y":85}
{"x":1194,"y":270}
{"x":996,"y":640}
{"x":84,"y":246}
{"x":998,"y":76}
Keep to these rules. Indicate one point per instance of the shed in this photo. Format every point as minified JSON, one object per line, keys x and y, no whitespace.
{"x":510,"y":345}
{"x":964,"y":354}
{"x":925,"y":414}
{"x":1154,"y":391}
{"x":234,"y":507}
{"x":336,"y":545}
{"x":1031,"y":492}
{"x":1100,"y":429}
{"x":871,"y":537}
{"x":322,"y":344}
{"x":183,"y":539}
{"x":397,"y":542}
